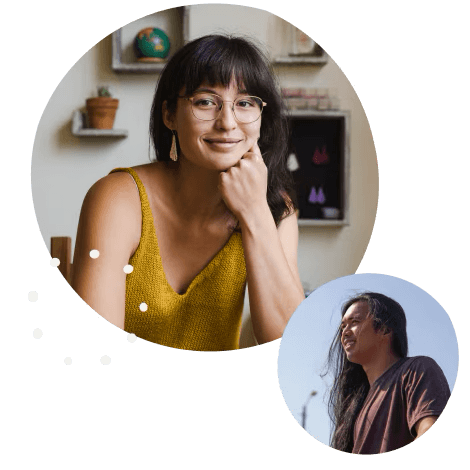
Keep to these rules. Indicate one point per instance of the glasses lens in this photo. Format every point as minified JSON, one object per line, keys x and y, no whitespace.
{"x":207,"y":106}
{"x":248,"y":108}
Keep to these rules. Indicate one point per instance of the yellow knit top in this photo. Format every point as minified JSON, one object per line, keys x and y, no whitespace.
{"x":207,"y":317}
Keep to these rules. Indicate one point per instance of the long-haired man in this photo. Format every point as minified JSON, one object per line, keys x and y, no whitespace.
{"x":381,"y":399}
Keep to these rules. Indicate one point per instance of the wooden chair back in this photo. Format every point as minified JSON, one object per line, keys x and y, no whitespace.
{"x":61,"y":248}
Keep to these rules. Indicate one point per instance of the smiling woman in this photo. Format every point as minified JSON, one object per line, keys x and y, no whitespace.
{"x":224,"y":60}
{"x":213,"y":214}
{"x":211,"y":134}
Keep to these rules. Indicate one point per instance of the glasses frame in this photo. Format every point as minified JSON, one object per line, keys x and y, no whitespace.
{"x":191,"y":98}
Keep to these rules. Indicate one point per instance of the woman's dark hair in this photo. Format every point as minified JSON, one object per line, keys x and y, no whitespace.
{"x":351,"y":386}
{"x":218,"y":60}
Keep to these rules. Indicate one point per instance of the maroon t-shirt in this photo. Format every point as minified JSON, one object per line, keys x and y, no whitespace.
{"x":411,"y":389}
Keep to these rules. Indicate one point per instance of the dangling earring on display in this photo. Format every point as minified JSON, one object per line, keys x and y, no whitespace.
{"x":173,"y":151}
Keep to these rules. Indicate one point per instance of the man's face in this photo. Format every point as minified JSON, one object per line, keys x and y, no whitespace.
{"x":359,"y":339}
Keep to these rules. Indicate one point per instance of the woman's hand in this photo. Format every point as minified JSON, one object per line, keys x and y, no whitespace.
{"x":244,"y":185}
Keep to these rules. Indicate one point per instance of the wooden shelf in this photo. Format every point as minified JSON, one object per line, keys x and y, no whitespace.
{"x":301,"y":60}
{"x":318,"y":57}
{"x":173,"y":21}
{"x":321,"y":223}
{"x":315,"y":113}
{"x":79,"y":128}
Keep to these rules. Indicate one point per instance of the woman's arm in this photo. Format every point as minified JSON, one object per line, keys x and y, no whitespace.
{"x":110,"y":222}
{"x":274,"y":286}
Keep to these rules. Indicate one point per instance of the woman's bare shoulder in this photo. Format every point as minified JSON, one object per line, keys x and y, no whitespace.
{"x":117,"y":189}
{"x":113,"y":203}
{"x":157,"y":178}
{"x":118,"y":192}
{"x":153,"y":174}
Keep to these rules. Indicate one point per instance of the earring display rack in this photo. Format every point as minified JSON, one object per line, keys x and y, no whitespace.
{"x":320,"y":165}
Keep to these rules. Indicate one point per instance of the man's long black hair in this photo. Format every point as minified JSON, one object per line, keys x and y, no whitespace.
{"x":351,"y":386}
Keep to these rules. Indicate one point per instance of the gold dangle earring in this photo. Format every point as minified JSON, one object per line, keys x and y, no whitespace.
{"x":173,"y":151}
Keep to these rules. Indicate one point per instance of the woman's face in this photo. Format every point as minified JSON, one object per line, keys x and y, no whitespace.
{"x":218,"y":144}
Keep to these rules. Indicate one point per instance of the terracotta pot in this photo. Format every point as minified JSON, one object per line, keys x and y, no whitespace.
{"x":101,"y":112}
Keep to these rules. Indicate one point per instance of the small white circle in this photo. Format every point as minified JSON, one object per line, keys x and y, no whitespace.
{"x":143,"y":307}
{"x":131,"y":337}
{"x":37,"y":333}
{"x":55,"y":262}
{"x":105,"y":360}
{"x":68,"y":361}
{"x":128,"y":268}
{"x":33,"y":296}
{"x":94,"y":254}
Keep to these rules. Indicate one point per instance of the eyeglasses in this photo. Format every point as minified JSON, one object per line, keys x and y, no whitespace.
{"x":208,"y":106}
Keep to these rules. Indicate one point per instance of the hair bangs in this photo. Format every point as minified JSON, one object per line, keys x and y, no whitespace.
{"x":221,"y":64}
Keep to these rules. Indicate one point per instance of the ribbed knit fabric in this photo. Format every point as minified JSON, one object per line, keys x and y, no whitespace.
{"x":207,"y":317}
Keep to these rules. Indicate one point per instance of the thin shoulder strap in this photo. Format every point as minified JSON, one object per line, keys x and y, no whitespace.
{"x":147,"y":218}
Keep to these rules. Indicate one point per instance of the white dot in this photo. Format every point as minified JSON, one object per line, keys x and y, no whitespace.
{"x":105,"y":360}
{"x":68,"y":361}
{"x":131,"y":337}
{"x":33,"y":296}
{"x":37,"y":333}
{"x":55,"y":262}
{"x":94,"y":254}
{"x":143,"y":307}
{"x":128,"y":268}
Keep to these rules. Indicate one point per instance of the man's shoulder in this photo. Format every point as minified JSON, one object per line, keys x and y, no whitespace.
{"x":420,"y":363}
{"x":420,"y":368}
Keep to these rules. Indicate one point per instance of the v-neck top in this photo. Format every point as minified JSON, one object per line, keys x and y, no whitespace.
{"x":207,"y":317}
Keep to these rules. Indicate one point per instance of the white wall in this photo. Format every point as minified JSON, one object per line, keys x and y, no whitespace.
{"x":64,"y":166}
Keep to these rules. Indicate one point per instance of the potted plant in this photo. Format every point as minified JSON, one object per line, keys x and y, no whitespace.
{"x":102,"y":109}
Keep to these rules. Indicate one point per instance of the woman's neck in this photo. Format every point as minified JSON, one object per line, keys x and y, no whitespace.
{"x":195,"y":193}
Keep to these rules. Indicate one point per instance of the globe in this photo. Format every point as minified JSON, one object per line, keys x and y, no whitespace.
{"x":151,"y":44}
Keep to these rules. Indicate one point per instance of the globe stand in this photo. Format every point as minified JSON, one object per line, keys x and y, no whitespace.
{"x":152,"y":60}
